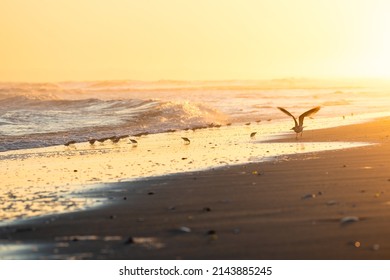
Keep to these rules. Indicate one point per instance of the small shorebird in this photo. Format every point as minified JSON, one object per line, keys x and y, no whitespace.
{"x":253,"y":134}
{"x":115,"y":140}
{"x":298,"y":128}
{"x":70,"y":143}
{"x":186,"y":140}
{"x":101,"y":140}
{"x":134,"y":142}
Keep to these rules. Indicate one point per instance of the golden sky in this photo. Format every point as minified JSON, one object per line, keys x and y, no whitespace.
{"x":57,"y":40}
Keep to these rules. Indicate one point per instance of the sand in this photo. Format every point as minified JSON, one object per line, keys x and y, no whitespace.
{"x":43,"y":181}
{"x":316,"y":205}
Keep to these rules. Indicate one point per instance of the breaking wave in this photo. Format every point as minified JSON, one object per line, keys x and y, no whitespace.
{"x":35,"y":122}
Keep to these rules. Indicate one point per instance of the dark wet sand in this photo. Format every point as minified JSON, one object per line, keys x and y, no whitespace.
{"x":286,"y":209}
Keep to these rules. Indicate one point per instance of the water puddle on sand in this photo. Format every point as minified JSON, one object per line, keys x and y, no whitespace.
{"x":63,"y":245}
{"x":20,"y":251}
{"x":43,"y":181}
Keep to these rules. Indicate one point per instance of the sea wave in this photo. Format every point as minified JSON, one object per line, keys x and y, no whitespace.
{"x":42,"y":114}
{"x":31,"y":122}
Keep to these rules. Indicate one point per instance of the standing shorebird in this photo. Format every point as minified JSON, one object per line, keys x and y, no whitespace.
{"x":101,"y":140}
{"x":134,"y":142}
{"x":67,"y":144}
{"x":298,"y":128}
{"x":186,"y":140}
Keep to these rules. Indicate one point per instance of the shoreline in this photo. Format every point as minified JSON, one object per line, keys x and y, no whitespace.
{"x":42,"y":181}
{"x":292,"y":208}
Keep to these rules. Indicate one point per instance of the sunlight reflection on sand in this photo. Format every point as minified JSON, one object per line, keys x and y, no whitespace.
{"x":42,"y":181}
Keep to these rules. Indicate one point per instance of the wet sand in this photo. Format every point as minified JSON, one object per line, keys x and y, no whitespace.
{"x":322,"y":205}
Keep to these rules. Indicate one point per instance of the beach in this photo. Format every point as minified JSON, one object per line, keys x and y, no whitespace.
{"x":330,"y":204}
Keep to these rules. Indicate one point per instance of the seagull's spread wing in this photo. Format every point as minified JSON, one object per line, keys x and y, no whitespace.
{"x":307,"y":114}
{"x":288,"y":113}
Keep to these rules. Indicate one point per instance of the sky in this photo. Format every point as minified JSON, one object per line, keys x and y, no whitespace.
{"x":63,"y":40}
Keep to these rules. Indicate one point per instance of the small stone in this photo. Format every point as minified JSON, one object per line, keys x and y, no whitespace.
{"x":375,"y":247}
{"x":150,"y":193}
{"x":331,"y":202}
{"x":309,"y":196}
{"x":184,"y":229}
{"x":130,"y":240}
{"x":349,"y":219}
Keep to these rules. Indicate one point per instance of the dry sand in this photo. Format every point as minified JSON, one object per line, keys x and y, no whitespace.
{"x":292,"y":208}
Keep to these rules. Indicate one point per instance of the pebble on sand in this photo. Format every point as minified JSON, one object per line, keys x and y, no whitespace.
{"x":184,"y":229}
{"x":130,"y":240}
{"x":309,"y":196}
{"x":349,"y":219}
{"x":331,"y":202}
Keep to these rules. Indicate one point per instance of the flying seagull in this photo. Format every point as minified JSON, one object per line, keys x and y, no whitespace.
{"x":298,"y":128}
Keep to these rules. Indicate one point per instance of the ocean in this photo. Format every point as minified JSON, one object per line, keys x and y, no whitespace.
{"x":45,"y":114}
